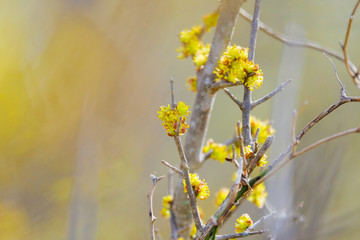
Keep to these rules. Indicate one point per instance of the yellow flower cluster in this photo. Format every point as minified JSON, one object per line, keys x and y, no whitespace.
{"x":258,"y":195}
{"x":200,"y":188}
{"x":234,"y":66}
{"x":201,"y":56}
{"x":193,"y":231}
{"x":211,"y":20}
{"x":166,"y":201}
{"x":243,"y":223}
{"x":265,"y":127}
{"x":190,"y":41}
{"x":248,"y":153}
{"x":191,"y":83}
{"x":170,"y":118}
{"x":220,"y":151}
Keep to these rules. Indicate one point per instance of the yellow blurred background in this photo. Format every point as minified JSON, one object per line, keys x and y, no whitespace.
{"x":80,"y":84}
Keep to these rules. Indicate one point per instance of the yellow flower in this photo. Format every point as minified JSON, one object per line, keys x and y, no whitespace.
{"x":193,"y":231}
{"x":190,"y":41}
{"x":210,"y":20}
{"x":234,"y":66}
{"x":265,"y":127}
{"x":248,"y":151}
{"x":166,"y":201}
{"x":262,"y":162}
{"x":170,"y":118}
{"x":258,"y":195}
{"x":199,"y":187}
{"x":243,"y":223}
{"x":201,"y":56}
{"x":181,"y":238}
{"x":220,"y":151}
{"x":191,"y":83}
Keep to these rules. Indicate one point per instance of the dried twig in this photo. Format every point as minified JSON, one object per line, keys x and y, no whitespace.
{"x":352,"y":73}
{"x":240,"y":235}
{"x":262,"y":219}
{"x":270,"y":95}
{"x":155,"y":180}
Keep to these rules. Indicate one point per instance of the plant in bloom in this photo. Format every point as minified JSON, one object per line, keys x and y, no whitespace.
{"x":170,"y":118}
{"x":262,"y":162}
{"x":234,"y":66}
{"x":210,"y":20}
{"x":201,"y":56}
{"x":191,"y":83}
{"x":258,"y":195}
{"x":166,"y":201}
{"x":220,"y":151}
{"x":190,"y":41}
{"x":199,"y":187}
{"x":243,"y":223}
{"x":265,"y":127}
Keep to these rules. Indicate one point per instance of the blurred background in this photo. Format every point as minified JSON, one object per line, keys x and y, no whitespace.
{"x":81,"y":82}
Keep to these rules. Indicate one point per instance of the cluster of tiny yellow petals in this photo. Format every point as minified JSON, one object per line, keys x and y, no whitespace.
{"x":193,"y":231}
{"x":181,"y":238}
{"x":201,"y":56}
{"x":258,"y":195}
{"x":248,"y":152}
{"x":265,"y":127}
{"x":262,"y":162}
{"x":220,"y":151}
{"x":166,"y":202}
{"x":243,"y":223}
{"x":234,"y":66}
{"x":210,"y":20}
{"x":170,"y":118}
{"x":190,"y":41}
{"x":191,"y":83}
{"x":199,"y":187}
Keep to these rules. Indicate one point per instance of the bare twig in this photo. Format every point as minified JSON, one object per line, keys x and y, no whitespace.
{"x":262,"y":219}
{"x":352,"y":73}
{"x":270,"y":95}
{"x":246,"y":128}
{"x":327,"y":139}
{"x":215,"y":86}
{"x":155,"y":180}
{"x":293,"y":127}
{"x":300,"y":43}
{"x":336,"y":74}
{"x":241,"y":144}
{"x":175,"y":169}
{"x":235,"y":100}
{"x":257,"y":135}
{"x":240,"y":235}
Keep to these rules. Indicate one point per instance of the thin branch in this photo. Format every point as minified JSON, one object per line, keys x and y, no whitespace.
{"x":246,"y":130}
{"x":215,"y":86}
{"x":257,"y":135}
{"x":240,"y":235}
{"x":327,"y":139}
{"x":293,"y":127}
{"x":336,"y":74}
{"x":260,"y":153}
{"x":241,"y":145}
{"x":299,"y":42}
{"x":270,"y":95}
{"x":155,"y":180}
{"x":172,"y":93}
{"x":262,"y":219}
{"x":175,"y":169}
{"x":353,"y":74}
{"x":235,"y":100}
